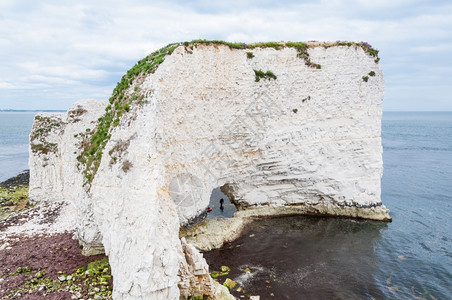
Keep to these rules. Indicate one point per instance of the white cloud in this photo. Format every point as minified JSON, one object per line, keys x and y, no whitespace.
{"x":6,"y":85}
{"x":433,"y":48}
{"x":385,"y":4}
{"x":83,"y":47}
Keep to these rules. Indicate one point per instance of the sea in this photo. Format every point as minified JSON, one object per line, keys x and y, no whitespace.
{"x":15,"y":129}
{"x":337,"y":258}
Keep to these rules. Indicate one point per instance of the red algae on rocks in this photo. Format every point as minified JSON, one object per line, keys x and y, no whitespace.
{"x":38,"y":267}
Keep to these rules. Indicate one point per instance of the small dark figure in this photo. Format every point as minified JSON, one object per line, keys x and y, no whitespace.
{"x":221,"y":203}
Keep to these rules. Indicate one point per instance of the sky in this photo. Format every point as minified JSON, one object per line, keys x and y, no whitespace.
{"x":55,"y":52}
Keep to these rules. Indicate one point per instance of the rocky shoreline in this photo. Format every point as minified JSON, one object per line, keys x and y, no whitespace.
{"x":40,"y":258}
{"x":38,"y":255}
{"x":22,"y":178}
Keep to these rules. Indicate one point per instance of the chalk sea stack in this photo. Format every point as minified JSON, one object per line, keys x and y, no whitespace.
{"x":282,"y":128}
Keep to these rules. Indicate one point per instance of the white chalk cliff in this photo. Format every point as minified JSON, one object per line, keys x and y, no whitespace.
{"x":283,"y":131}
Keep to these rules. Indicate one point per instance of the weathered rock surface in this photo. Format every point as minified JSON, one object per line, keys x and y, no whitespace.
{"x":305,"y":140}
{"x":55,"y":143}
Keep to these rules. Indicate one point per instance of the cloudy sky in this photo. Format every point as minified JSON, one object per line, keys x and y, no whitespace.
{"x":55,"y":52}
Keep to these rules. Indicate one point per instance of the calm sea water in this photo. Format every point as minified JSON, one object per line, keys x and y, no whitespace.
{"x":416,"y":248}
{"x":14,"y":131}
{"x":333,"y":258}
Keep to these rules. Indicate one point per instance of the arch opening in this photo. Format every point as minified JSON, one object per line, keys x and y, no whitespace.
{"x":218,"y":208}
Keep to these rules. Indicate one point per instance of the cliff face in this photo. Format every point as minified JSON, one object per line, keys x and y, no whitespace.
{"x":280,"y":130}
{"x":55,"y":143}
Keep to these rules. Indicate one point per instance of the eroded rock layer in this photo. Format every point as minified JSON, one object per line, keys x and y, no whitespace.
{"x":283,"y":131}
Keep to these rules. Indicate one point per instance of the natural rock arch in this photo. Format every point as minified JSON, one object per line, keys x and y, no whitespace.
{"x":286,"y":131}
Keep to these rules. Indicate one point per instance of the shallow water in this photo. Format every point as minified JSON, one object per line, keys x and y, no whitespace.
{"x":304,"y":258}
{"x":217,"y":212}
{"x":328,"y":258}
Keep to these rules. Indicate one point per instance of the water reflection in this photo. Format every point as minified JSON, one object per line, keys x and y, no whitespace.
{"x":303,"y":258}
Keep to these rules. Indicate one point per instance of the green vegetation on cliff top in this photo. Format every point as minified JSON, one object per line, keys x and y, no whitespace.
{"x":120,"y":103}
{"x":122,"y":100}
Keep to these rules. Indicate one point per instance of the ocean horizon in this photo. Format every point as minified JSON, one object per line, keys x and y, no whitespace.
{"x":15,"y":127}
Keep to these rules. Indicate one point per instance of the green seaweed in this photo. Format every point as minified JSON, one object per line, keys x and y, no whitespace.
{"x":92,"y":281}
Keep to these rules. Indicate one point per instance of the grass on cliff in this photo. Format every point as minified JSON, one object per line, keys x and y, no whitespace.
{"x":122,"y":101}
{"x":38,"y":137}
{"x":265,"y":75}
{"x":301,"y":47}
